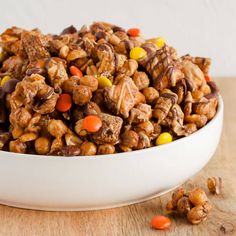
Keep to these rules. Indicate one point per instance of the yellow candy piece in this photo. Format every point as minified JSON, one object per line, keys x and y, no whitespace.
{"x":164,"y":138}
{"x":1,"y":56}
{"x":137,"y":53}
{"x":5,"y":79}
{"x":103,"y":82}
{"x":160,"y":42}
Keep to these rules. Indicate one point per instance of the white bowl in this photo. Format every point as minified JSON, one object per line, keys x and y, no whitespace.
{"x":98,"y":182}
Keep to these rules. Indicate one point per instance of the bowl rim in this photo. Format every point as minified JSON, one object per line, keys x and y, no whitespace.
{"x":121,"y":154}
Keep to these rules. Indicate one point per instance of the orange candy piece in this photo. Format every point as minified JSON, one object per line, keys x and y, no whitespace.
{"x":134,"y":32}
{"x":64,"y":102}
{"x":207,"y":78}
{"x":160,"y":222}
{"x":76,"y":71}
{"x":92,"y":123}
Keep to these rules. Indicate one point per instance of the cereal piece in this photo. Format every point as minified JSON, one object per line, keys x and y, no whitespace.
{"x":129,"y":139}
{"x":92,"y":70}
{"x":141,"y":80}
{"x":90,"y":81}
{"x":105,"y":55}
{"x":110,"y":130}
{"x":57,"y":145}
{"x":106,"y":149}
{"x":197,"y":196}
{"x":193,"y":74}
{"x":123,"y":96}
{"x":129,"y":67}
{"x":42,"y":145}
{"x":20,"y":117}
{"x":215,"y":185}
{"x":163,"y":105}
{"x":64,"y":50}
{"x":144,"y":140}
{"x":177,"y":194}
{"x":57,"y":128}
{"x":91,"y":108}
{"x":88,"y":149}
{"x":141,"y":113}
{"x":34,"y":44}
{"x":151,"y":94}
{"x":164,"y":70}
{"x":27,"y":137}
{"x":199,"y":213}
{"x":70,"y":84}
{"x":17,"y":146}
{"x":183,"y":205}
{"x":72,"y":140}
{"x":82,"y":95}
{"x":57,"y":71}
{"x":145,"y":126}
{"x":75,"y":54}
{"x":17,"y":131}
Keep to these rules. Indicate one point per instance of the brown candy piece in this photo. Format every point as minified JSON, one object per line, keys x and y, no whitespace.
{"x":2,"y":106}
{"x":10,"y":85}
{"x":69,"y":30}
{"x":70,"y":150}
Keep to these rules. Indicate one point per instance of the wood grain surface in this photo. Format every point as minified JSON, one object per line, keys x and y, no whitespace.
{"x":134,"y":220}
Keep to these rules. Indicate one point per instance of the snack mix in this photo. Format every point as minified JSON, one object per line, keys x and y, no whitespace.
{"x":194,"y":205}
{"x":98,"y":90}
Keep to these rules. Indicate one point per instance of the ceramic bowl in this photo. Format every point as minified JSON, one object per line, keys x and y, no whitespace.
{"x":105,"y":181}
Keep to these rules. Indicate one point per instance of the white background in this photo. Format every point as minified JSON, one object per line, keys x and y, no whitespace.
{"x":198,"y":27}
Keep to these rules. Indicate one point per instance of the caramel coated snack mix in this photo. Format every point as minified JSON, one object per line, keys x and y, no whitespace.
{"x":98,"y":90}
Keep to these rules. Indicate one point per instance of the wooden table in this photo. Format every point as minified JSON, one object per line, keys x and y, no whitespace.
{"x":134,"y":219}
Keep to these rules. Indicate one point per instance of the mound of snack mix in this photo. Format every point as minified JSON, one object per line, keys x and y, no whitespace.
{"x":98,"y":90}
